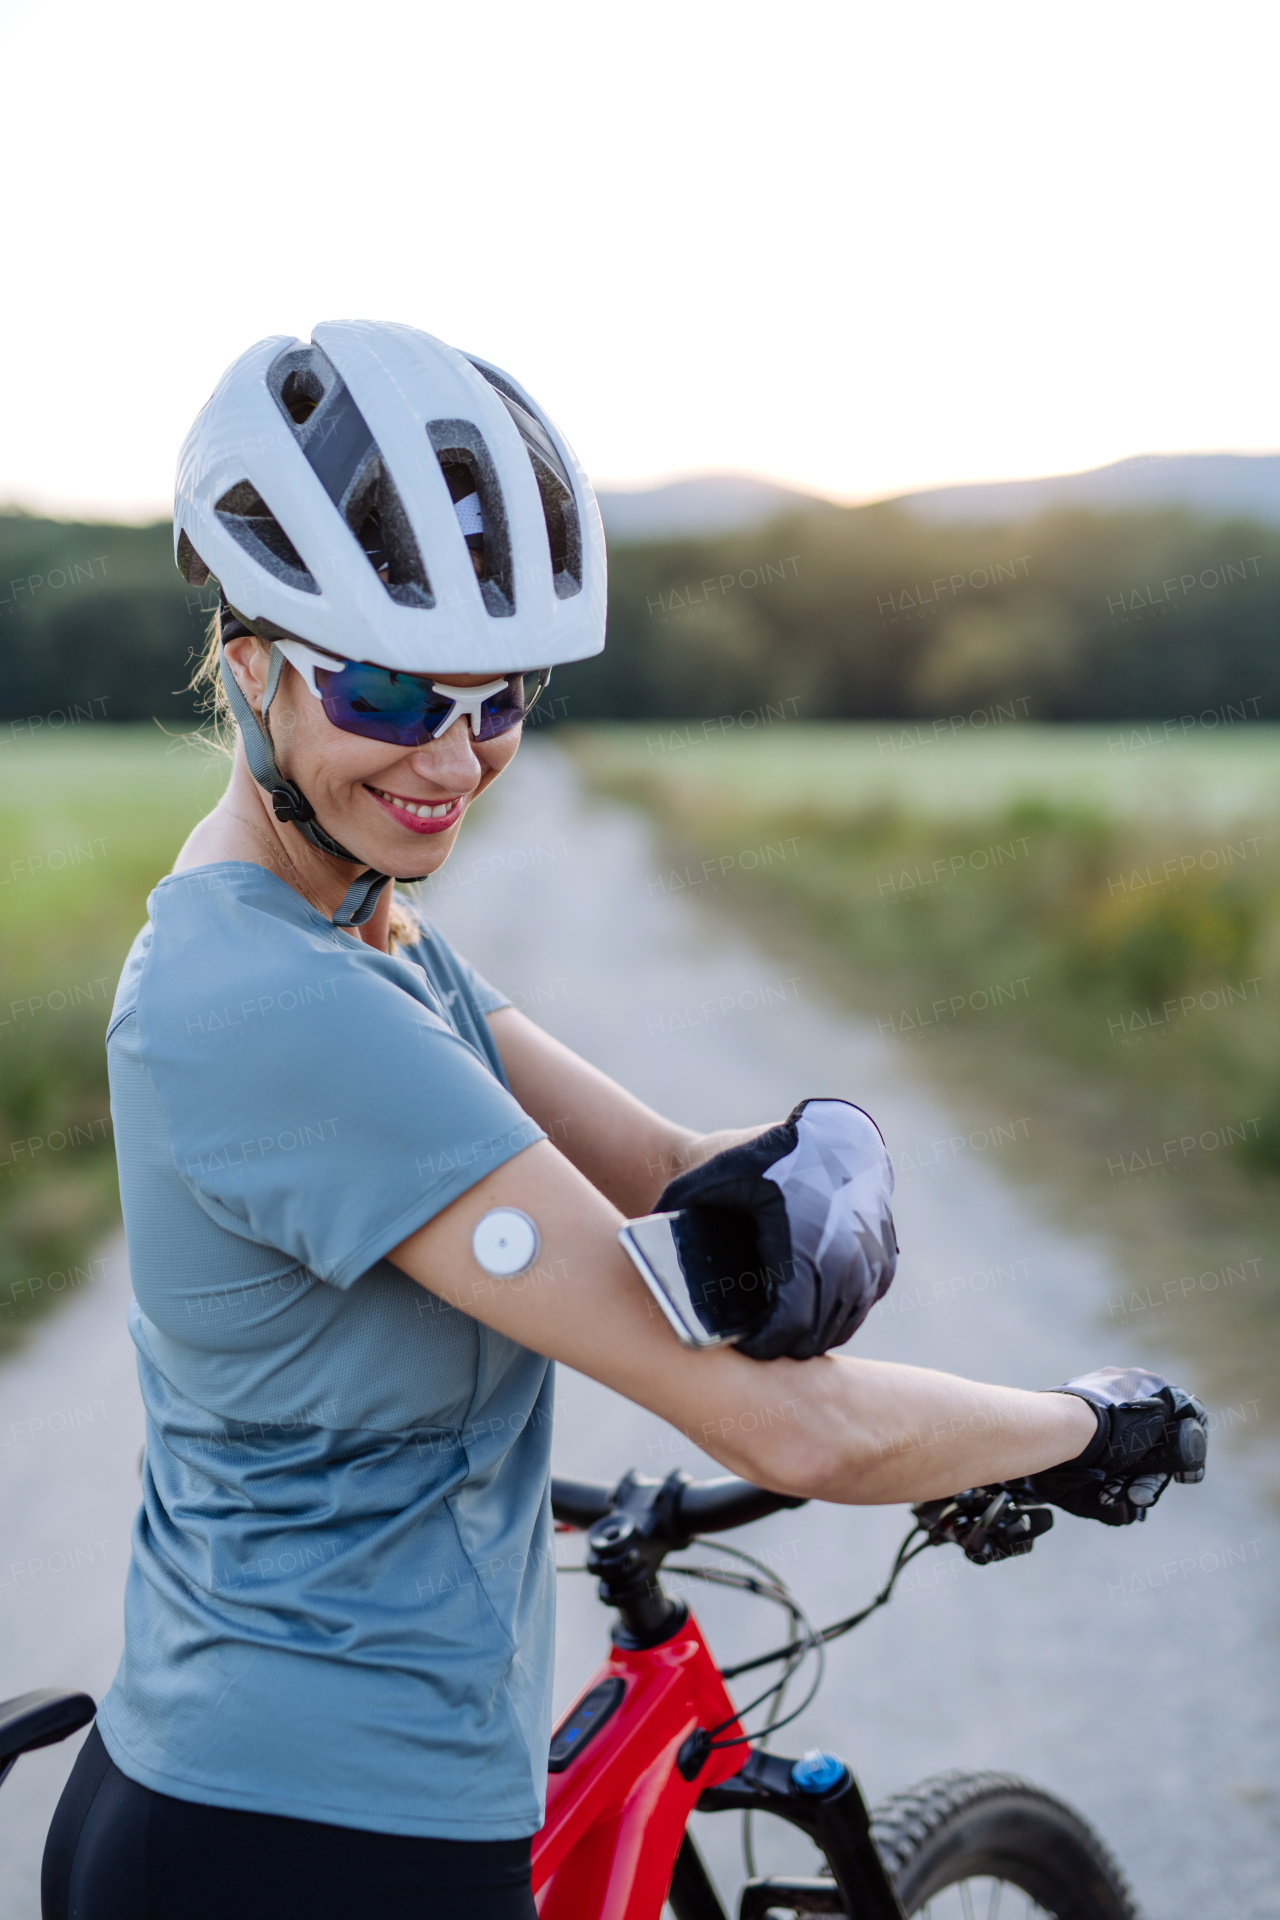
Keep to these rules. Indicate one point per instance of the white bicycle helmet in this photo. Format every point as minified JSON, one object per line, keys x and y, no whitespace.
{"x":380,"y":497}
{"x":338,"y":491}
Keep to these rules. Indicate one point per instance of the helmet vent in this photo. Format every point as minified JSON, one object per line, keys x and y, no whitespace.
{"x":375,"y":514}
{"x":190,"y":565}
{"x":301,"y":392}
{"x":564,"y":537}
{"x":467,"y":466}
{"x":247,"y":517}
{"x":345,"y":458}
{"x":555,"y":488}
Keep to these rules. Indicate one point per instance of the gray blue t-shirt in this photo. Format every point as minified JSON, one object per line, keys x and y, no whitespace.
{"x":340,"y":1603}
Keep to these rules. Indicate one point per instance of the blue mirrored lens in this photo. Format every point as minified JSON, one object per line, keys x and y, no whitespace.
{"x":381,"y":704}
{"x":506,"y":709}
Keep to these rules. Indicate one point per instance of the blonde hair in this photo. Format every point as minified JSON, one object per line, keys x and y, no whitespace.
{"x":206,"y":684}
{"x":405,"y":929}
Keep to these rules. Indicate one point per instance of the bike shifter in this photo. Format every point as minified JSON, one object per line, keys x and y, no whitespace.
{"x":987,"y":1523}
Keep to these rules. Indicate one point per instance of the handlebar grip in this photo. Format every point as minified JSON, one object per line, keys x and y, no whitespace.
{"x":580,"y":1503}
{"x":703,"y":1506}
{"x":713,"y":1506}
{"x":1193,"y":1446}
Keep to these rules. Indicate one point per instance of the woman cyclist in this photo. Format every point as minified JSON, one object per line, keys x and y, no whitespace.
{"x":367,"y":1202}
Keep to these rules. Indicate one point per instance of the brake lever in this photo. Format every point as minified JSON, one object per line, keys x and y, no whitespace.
{"x":986,"y":1523}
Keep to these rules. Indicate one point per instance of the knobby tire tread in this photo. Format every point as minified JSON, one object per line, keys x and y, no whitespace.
{"x":908,"y":1827}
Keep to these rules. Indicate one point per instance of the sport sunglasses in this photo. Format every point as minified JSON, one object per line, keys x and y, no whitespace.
{"x":408,"y":709}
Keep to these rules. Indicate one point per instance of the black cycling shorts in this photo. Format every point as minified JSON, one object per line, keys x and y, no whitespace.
{"x":118,"y":1851}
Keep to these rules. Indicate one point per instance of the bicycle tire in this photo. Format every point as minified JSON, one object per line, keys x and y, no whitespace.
{"x":957,"y":1827}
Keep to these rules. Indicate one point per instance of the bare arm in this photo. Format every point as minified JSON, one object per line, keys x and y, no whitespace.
{"x":626,"y":1150}
{"x":855,"y":1431}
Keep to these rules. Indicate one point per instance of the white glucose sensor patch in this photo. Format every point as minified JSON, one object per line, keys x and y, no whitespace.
{"x":505,"y":1241}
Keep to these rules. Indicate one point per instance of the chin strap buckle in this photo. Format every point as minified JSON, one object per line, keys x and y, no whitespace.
{"x":291,"y":804}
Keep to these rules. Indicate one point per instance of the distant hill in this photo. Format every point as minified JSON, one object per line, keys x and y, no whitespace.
{"x":706,"y":504}
{"x":1217,"y":486}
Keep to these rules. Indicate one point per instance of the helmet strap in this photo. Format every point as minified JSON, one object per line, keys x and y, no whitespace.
{"x":288,"y":802}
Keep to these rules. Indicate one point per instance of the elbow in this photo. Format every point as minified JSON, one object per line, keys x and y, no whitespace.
{"x":795,"y":1459}
{"x":811,"y":1444}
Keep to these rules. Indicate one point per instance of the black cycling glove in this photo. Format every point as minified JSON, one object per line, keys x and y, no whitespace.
{"x":817,"y":1187}
{"x":1148,"y":1434}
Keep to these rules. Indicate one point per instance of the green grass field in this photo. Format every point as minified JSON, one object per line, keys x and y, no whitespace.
{"x":90,"y":821}
{"x":1072,"y":921}
{"x":1131,"y":770}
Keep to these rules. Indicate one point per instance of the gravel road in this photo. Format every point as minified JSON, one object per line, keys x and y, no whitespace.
{"x":1133,"y":1672}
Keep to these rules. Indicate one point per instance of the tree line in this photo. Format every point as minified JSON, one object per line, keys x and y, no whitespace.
{"x":840,"y":613}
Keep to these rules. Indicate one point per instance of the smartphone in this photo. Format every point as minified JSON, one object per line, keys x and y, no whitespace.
{"x":703,"y":1267}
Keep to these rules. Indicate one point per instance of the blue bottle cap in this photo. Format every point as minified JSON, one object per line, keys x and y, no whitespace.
{"x":818,"y":1772}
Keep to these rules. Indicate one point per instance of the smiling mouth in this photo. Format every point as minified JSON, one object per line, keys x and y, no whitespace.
{"x":420,"y":816}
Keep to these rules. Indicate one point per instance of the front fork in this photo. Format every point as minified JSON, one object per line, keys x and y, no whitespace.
{"x":836,"y":1821}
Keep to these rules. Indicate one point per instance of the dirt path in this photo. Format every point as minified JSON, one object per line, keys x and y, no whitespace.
{"x":1133,"y":1672}
{"x":71,"y":1434}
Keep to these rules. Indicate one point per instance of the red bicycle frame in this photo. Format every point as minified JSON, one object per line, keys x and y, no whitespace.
{"x":654,"y":1735}
{"x":616,"y":1816}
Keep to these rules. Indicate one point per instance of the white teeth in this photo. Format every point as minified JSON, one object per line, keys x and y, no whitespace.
{"x":423,"y":808}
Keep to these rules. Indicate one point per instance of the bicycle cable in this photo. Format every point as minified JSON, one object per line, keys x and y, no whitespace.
{"x":768,"y":1587}
{"x":902,"y":1560}
{"x":775,"y":1589}
{"x":778,"y":1591}
{"x":812,"y":1640}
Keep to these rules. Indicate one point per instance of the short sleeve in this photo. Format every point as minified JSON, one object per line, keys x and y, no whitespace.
{"x":481,"y":993}
{"x":464,"y":990}
{"x":317,"y":1101}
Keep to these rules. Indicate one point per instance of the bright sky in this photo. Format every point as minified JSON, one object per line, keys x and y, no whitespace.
{"x":859,"y":247}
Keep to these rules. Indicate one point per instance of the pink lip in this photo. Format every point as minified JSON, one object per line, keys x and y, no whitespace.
{"x":414,"y":821}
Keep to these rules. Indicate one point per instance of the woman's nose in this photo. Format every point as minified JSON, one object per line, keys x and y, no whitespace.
{"x":450,"y":761}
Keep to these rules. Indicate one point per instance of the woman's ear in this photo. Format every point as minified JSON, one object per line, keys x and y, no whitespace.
{"x":250,"y":662}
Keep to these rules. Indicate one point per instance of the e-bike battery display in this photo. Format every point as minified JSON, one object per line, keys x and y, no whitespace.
{"x":586,"y":1719}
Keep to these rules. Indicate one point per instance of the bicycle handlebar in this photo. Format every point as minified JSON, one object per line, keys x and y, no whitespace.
{"x":579,"y":1503}
{"x":703,"y":1506}
{"x":647,"y":1519}
{"x":989,"y":1523}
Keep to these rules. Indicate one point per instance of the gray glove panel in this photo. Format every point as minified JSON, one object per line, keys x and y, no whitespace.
{"x":818,"y":1188}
